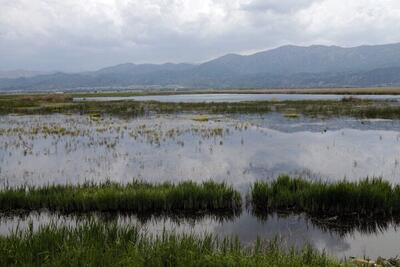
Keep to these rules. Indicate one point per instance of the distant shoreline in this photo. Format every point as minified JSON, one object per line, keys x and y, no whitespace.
{"x":181,"y":91}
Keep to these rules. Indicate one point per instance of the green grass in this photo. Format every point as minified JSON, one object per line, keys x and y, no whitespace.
{"x":136,"y":197}
{"x":40,"y":104}
{"x":97,"y":244}
{"x":48,"y":104}
{"x":367,"y":198}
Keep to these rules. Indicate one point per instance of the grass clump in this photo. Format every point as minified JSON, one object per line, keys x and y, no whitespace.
{"x":291,"y":115}
{"x":99,"y":244}
{"x":136,"y":197}
{"x":201,"y":118}
{"x":368,"y":197}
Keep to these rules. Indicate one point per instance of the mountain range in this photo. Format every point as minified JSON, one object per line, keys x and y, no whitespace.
{"x":13,"y":74}
{"x":286,"y":66}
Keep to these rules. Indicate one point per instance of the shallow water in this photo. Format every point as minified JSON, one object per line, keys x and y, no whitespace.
{"x":293,"y":230}
{"x":36,"y":150}
{"x":238,"y":149}
{"x":198,"y":98}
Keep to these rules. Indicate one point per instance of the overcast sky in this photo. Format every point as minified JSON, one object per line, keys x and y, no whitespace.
{"x":76,"y":35}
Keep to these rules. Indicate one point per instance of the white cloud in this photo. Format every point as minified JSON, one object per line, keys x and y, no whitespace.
{"x":277,"y":6}
{"x":352,"y":22}
{"x":76,"y":35}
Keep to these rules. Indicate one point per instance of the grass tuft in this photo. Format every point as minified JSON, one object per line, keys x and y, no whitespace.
{"x":136,"y":197}
{"x":369,"y":197}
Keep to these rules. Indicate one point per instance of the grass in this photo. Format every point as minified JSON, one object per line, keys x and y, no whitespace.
{"x":97,"y":244}
{"x":291,"y":115}
{"x":201,"y":118}
{"x":19,"y":104}
{"x":48,"y":104}
{"x":368,"y":198}
{"x":136,"y":197}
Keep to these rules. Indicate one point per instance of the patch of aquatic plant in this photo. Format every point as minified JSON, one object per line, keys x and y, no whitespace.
{"x":349,"y":107}
{"x":43,"y":129}
{"x":366,"y":198}
{"x":201,"y":118}
{"x":155,"y":134}
{"x":136,"y":197}
{"x":98,"y":244}
{"x":291,"y":115}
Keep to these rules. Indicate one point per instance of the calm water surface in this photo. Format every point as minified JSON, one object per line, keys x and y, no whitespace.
{"x":197,"y":98}
{"x":63,"y":149}
{"x":293,"y":230}
{"x":40,"y":150}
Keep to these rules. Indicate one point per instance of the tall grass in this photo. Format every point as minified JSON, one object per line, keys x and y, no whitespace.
{"x":369,"y":197}
{"x":96,"y":244}
{"x":137,"y":197}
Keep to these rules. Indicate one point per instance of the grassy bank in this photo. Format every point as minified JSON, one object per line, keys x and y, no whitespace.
{"x":48,"y":104}
{"x":95,"y":244}
{"x":366,"y":198}
{"x":42,"y":104}
{"x":137,"y":197}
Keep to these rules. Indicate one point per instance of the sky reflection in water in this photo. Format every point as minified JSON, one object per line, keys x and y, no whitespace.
{"x":237,"y":149}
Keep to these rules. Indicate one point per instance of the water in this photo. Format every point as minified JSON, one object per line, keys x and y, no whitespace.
{"x":293,"y":230}
{"x":238,"y":149}
{"x":198,"y":98}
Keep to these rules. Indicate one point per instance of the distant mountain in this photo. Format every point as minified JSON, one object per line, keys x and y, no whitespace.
{"x":130,"y":68}
{"x":314,"y":59}
{"x":13,"y":74}
{"x":286,"y":66}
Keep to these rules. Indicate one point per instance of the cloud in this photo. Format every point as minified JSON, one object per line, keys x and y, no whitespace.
{"x":76,"y":35}
{"x":277,"y":6}
{"x":352,"y":22}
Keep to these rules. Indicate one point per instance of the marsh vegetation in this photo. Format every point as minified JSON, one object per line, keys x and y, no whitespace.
{"x":138,"y":197}
{"x":370,"y":197}
{"x":48,"y":104}
{"x":188,"y":166}
{"x":94,"y":244}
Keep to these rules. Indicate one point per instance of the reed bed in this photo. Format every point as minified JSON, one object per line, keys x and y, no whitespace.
{"x":136,"y":197}
{"x":366,"y":198}
{"x":98,"y":244}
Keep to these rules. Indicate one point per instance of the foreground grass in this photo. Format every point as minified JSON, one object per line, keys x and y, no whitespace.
{"x":137,"y":197}
{"x":96,"y":244}
{"x":366,"y":198}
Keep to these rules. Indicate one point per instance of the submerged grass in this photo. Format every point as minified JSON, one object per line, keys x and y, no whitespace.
{"x":136,"y":197}
{"x":366,"y":198}
{"x":97,"y":244}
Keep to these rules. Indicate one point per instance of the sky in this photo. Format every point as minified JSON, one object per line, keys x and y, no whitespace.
{"x":76,"y":35}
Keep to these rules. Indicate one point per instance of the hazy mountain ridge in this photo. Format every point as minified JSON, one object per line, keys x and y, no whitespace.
{"x":14,"y":74}
{"x":286,"y":66}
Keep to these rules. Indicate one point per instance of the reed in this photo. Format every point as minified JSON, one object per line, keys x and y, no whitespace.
{"x":137,"y":197}
{"x":366,"y":198}
{"x":97,"y":244}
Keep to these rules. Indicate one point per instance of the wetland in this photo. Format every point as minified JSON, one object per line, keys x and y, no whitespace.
{"x":246,"y":179}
